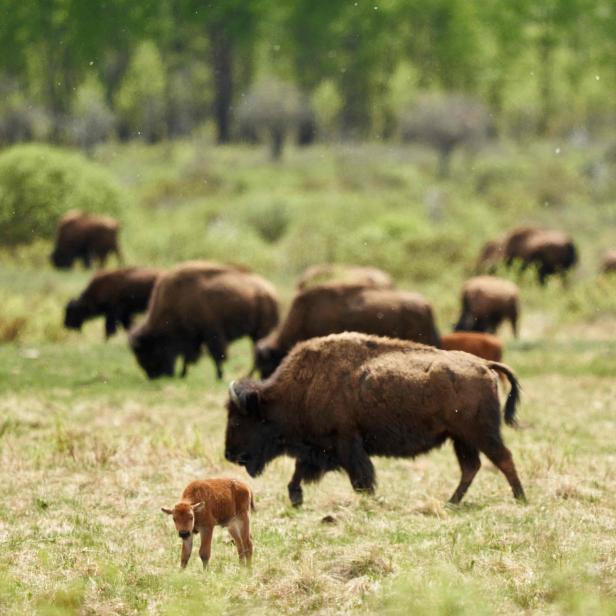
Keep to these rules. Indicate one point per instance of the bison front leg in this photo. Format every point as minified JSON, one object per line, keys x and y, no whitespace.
{"x":217,"y":347}
{"x":304,"y":471}
{"x":355,"y":461}
{"x":186,"y":551}
{"x":110,"y":325}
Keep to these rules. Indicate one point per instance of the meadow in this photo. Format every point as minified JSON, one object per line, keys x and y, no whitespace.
{"x":90,"y":450}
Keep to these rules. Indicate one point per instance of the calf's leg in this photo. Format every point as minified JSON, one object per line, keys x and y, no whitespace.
{"x":186,"y":551}
{"x":468,"y":458}
{"x":205,"y":549}
{"x":239,"y":529}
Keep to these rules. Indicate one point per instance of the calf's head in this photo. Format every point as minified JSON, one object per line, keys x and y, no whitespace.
{"x":251,"y":439}
{"x":184,"y":517}
{"x":155,"y":354}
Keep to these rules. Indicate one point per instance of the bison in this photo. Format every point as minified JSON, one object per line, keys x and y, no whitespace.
{"x":213,"y":502}
{"x":116,"y":295}
{"x":486,"y":302}
{"x":482,"y":345}
{"x":350,"y":274}
{"x":201,"y":304}
{"x":337,"y":400}
{"x":87,"y":237}
{"x":550,"y":252}
{"x":490,"y":256}
{"x":608,"y":263}
{"x":333,"y":308}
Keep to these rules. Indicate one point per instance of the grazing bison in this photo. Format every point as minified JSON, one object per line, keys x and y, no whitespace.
{"x":550,"y":252}
{"x":117,"y":295}
{"x":490,"y":256}
{"x":213,"y":502}
{"x":87,"y":237}
{"x":336,"y":401}
{"x":482,"y":345}
{"x":608,"y":263}
{"x":333,"y":308}
{"x":486,"y":302}
{"x":201,"y":303}
{"x":349,"y":274}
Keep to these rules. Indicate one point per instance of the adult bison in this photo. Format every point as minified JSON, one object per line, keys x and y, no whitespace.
{"x":201,"y":304}
{"x":87,"y":237}
{"x":550,"y":252}
{"x":336,"y":401}
{"x":116,"y":295}
{"x":487,"y":301}
{"x":349,"y":274}
{"x":333,"y":308}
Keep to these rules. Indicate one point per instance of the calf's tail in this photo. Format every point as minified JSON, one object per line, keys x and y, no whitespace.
{"x":252,"y":502}
{"x":514,"y":394}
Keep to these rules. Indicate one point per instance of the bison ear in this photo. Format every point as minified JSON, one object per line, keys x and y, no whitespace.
{"x":246,"y":398}
{"x":166,"y":510}
{"x":198,"y":506}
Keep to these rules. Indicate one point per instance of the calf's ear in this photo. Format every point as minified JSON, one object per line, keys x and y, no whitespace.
{"x":166,"y":510}
{"x":245,"y":397}
{"x":198,"y":506}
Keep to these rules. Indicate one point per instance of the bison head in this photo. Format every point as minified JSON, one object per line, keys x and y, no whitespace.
{"x":60,"y":259}
{"x":251,"y":439}
{"x":155,"y":354}
{"x":75,"y":314}
{"x":267,"y":358}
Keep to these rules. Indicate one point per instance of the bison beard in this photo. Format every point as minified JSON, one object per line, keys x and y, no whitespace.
{"x":263,"y":416}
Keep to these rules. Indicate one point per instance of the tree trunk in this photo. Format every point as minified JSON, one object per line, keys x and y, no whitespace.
{"x":222,"y":64}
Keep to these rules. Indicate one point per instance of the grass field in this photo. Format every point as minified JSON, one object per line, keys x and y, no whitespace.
{"x":90,"y":450}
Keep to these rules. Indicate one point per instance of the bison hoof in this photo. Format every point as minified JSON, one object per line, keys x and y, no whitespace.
{"x":297,"y":498}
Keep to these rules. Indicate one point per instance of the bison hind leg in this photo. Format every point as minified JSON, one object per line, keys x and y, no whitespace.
{"x":355,"y":461}
{"x":501,"y":457}
{"x":468,"y":458}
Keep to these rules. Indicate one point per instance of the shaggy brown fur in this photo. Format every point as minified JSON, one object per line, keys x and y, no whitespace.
{"x":551,"y":252}
{"x":202,"y":303}
{"x":608,"y":263}
{"x":337,"y":400}
{"x":213,"y":502}
{"x":490,"y":256}
{"x":87,"y":237}
{"x":348,"y":274}
{"x":486,"y":302}
{"x":333,"y":308}
{"x":482,"y":345}
{"x":116,"y":295}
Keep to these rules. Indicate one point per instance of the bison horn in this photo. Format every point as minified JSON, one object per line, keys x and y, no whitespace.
{"x":233,"y":394}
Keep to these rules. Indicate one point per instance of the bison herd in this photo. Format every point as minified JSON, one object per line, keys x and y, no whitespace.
{"x":356,"y":368}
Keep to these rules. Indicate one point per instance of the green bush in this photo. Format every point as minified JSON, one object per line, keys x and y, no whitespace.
{"x":40,"y":183}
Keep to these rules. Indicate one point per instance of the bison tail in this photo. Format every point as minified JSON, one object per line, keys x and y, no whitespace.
{"x":514,"y":394}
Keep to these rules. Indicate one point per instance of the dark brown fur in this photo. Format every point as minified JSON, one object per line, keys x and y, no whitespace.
{"x":487,"y":301}
{"x":348,"y":274}
{"x":208,"y":503}
{"x":333,"y":308}
{"x":202,"y":304}
{"x":116,"y":295}
{"x":88,"y":237}
{"x":336,"y":401}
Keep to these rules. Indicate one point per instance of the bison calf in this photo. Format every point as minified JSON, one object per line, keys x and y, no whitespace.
{"x":482,"y":345}
{"x":336,"y":401}
{"x":213,"y":502}
{"x":333,"y":308}
{"x":116,"y":295}
{"x":87,"y":237}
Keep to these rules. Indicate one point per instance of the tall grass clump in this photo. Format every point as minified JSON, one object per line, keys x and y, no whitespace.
{"x":39,"y":183}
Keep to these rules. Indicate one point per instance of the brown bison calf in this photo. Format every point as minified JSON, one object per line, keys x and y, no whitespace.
{"x":333,"y":308}
{"x":209,"y":503}
{"x":87,"y":237}
{"x":349,"y":274}
{"x":336,"y":401}
{"x":201,"y":304}
{"x":117,"y":295}
{"x":486,"y":302}
{"x":483,"y":345}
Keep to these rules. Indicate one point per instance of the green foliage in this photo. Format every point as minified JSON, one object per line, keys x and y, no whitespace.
{"x":39,"y":183}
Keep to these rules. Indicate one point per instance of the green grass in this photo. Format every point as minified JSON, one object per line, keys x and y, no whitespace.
{"x":90,"y":450}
